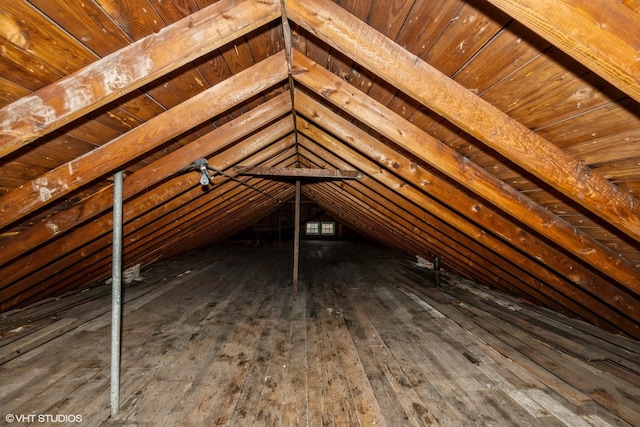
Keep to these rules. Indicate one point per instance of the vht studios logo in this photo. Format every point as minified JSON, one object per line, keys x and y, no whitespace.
{"x":43,"y":418}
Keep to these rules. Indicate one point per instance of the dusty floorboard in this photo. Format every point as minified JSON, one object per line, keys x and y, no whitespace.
{"x":215,"y":338}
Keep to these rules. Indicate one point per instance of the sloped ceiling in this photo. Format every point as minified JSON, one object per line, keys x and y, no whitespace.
{"x":501,"y":135}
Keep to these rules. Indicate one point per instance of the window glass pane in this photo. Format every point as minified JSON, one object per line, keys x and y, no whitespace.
{"x":313,"y":228}
{"x":328,"y":228}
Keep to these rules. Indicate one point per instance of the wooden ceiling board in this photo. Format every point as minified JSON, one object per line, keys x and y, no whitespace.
{"x":474,"y":26}
{"x":176,"y":87}
{"x":173,"y":11}
{"x":615,"y":117}
{"x":602,"y":35}
{"x":88,"y":22}
{"x":136,"y":18}
{"x":570,"y":90}
{"x":607,"y":149}
{"x":426,"y":23}
{"x":140,"y":105}
{"x":27,"y":29}
{"x":507,"y":52}
{"x":16,"y":60}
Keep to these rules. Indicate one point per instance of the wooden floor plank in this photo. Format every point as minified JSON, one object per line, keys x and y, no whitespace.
{"x":367,"y":410}
{"x":366,"y":343}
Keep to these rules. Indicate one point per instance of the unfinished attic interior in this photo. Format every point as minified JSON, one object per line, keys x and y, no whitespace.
{"x":350,"y":212}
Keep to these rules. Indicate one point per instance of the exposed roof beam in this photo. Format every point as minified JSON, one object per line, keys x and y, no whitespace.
{"x":465,"y":206}
{"x":130,"y":68}
{"x":154,"y":208}
{"x":603,"y":35}
{"x":153,"y":173}
{"x":298,"y":172}
{"x":439,"y":237}
{"x":462,"y":170}
{"x":108,"y":157}
{"x":495,"y":270}
{"x":466,"y":110}
{"x":549,"y":280}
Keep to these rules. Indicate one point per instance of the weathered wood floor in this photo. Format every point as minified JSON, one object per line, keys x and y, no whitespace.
{"x":214,"y":338}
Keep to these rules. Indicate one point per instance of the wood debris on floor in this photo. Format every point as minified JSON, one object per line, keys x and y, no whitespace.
{"x":215,"y":338}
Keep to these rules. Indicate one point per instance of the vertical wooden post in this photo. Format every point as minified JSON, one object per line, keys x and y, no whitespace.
{"x":296,"y":241}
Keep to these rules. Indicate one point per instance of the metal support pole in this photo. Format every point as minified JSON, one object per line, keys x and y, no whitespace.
{"x":116,"y":302}
{"x":436,"y":271}
{"x":296,"y":241}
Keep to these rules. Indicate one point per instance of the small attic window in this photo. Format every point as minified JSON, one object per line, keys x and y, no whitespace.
{"x":328,"y":229}
{"x":313,"y":228}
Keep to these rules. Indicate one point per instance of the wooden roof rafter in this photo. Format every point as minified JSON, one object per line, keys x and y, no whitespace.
{"x":466,"y":211}
{"x":469,"y":112}
{"x":178,"y":199}
{"x":463,"y":171}
{"x":487,"y":231}
{"x":62,"y":180}
{"x":155,"y":172}
{"x":577,"y":284}
{"x":137,"y":64}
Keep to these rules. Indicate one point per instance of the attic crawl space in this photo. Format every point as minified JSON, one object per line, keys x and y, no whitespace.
{"x":349,"y":212}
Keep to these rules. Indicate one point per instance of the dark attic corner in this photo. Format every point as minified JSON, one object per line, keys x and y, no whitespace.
{"x":288,"y":212}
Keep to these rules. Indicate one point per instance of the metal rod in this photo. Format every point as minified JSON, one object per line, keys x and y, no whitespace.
{"x":436,"y":271}
{"x":233,"y":178}
{"x":116,"y":294}
{"x":296,"y":242}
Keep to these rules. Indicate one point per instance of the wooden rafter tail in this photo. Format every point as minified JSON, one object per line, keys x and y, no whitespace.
{"x":469,"y":112}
